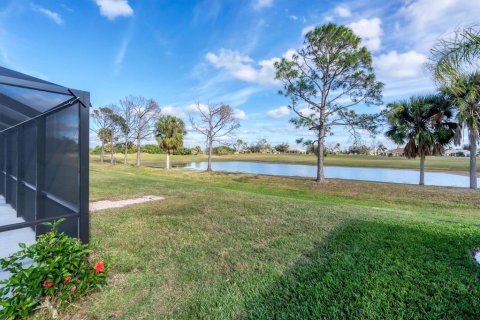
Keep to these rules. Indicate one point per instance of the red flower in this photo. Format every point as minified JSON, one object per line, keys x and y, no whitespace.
{"x":73,"y":288}
{"x":67,"y":279}
{"x":99,"y":266}
{"x":48,"y":284}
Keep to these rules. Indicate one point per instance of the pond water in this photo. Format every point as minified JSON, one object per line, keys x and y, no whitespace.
{"x":353,"y":173}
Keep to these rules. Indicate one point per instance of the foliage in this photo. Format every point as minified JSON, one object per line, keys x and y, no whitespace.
{"x":126,"y":111}
{"x":332,"y":74}
{"x":105,"y":135}
{"x":95,"y":150}
{"x":197,"y":150}
{"x":145,"y":113}
{"x":454,"y":56}
{"x":359,"y":149}
{"x":120,"y":147}
{"x":424,"y":123}
{"x":183,"y":151}
{"x":282,"y":147}
{"x":169,"y":132}
{"x":60,"y":269}
{"x":215,"y":122}
{"x":109,"y":125}
{"x":223,"y":150}
{"x":152,"y":149}
{"x":464,"y":92}
{"x":452,"y":61}
{"x":261,"y":146}
{"x":239,"y":145}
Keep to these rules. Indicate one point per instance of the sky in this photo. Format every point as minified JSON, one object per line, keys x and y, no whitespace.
{"x":218,"y":51}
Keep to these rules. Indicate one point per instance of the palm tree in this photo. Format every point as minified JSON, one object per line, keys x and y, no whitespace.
{"x":452,"y":55}
{"x":464,"y":92}
{"x":424,"y":124}
{"x":169,"y":131}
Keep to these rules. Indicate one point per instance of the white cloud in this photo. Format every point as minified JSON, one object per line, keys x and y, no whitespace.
{"x":122,"y":50}
{"x":173,"y":111}
{"x":243,"y":67}
{"x":289,"y":53}
{"x":114,"y":8}
{"x":370,"y":31}
{"x":196,"y":108}
{"x":293,"y":17}
{"x":307,"y":112}
{"x":239,"y":114}
{"x":343,"y":11}
{"x":307,"y":29}
{"x":400,"y":65}
{"x":237,"y":97}
{"x":279,"y":112}
{"x":427,"y":20}
{"x":260,"y":4}
{"x":55,"y":17}
{"x":121,"y":54}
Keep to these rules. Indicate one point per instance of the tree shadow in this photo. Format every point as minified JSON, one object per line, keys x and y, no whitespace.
{"x":379,"y":270}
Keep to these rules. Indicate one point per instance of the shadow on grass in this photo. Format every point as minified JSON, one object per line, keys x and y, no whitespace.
{"x":373,"y":270}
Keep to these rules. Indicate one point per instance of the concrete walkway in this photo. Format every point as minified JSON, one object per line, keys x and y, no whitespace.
{"x":9,"y":240}
{"x":108,"y":204}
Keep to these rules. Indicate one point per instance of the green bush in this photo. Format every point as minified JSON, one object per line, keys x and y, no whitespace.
{"x":183,"y":152}
{"x":223,"y":150}
{"x":60,"y":269}
{"x":95,"y":150}
{"x":152,"y":149}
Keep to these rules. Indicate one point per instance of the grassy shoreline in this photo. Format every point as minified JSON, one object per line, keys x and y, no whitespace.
{"x":240,"y":246}
{"x":458,"y":166}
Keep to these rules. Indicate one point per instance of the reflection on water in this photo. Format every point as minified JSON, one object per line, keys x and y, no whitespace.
{"x":353,"y":173}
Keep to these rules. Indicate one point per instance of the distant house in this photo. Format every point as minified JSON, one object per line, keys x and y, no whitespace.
{"x":457,"y":153}
{"x":397,"y":152}
{"x":296,"y":150}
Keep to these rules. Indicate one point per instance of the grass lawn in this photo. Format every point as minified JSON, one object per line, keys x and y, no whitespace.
{"x":432,"y":163}
{"x":229,"y":246}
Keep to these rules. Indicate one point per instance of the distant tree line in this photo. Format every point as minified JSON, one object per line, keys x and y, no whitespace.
{"x":325,"y":80}
{"x":124,"y":127}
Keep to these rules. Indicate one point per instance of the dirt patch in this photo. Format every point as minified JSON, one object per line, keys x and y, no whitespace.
{"x":108,"y":204}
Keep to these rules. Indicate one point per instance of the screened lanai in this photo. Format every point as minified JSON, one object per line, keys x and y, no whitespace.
{"x":43,"y":159}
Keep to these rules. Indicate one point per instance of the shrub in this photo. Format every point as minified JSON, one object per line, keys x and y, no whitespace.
{"x":183,"y":152}
{"x":95,"y":150}
{"x":223,"y":150}
{"x":60,"y":269}
{"x":152,"y":149}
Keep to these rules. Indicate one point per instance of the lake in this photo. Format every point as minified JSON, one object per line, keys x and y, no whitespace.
{"x":353,"y":173}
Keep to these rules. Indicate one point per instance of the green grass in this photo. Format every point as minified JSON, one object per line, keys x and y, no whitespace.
{"x":432,"y":163}
{"x":237,"y":246}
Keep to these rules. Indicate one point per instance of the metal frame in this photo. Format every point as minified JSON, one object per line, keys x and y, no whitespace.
{"x":14,"y":185}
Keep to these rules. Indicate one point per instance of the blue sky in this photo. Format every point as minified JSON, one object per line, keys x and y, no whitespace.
{"x":181,"y":52}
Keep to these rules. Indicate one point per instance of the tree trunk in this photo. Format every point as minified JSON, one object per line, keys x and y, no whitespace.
{"x":138,"y":153}
{"x":168,"y":160}
{"x":321,"y":147}
{"x":111,"y":152}
{"x":422,"y":170}
{"x":209,"y":168}
{"x":102,"y":150}
{"x":473,"y":160}
{"x":126,"y":152}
